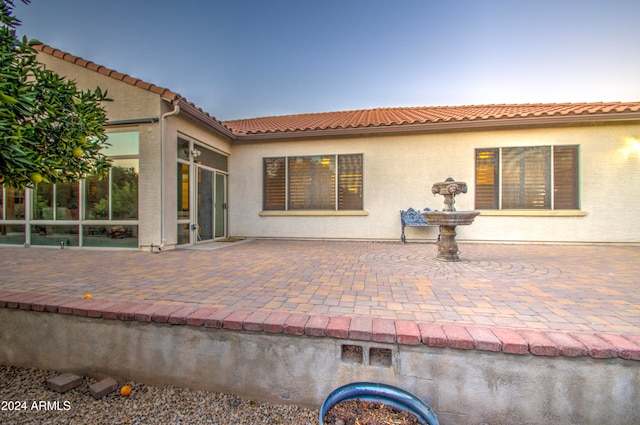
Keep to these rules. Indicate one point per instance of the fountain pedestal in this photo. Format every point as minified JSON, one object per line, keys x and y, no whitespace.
{"x":447,"y":246}
{"x":449,"y":218}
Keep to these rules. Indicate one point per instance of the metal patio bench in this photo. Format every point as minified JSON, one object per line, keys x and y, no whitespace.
{"x":413,"y":218}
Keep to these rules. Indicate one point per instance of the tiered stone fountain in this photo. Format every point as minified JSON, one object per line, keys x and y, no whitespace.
{"x":449,"y":218}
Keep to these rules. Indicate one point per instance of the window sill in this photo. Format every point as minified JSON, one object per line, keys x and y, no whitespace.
{"x":533,"y":213}
{"x":310,"y":213}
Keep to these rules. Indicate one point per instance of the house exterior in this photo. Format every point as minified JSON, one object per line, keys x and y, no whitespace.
{"x":555,"y":173}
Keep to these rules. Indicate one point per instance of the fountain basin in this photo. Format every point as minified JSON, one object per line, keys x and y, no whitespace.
{"x":450,"y":218}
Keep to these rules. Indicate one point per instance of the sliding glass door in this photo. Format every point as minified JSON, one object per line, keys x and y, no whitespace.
{"x":211,"y":205}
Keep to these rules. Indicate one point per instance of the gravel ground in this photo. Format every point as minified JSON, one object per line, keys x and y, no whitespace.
{"x":25,"y":399}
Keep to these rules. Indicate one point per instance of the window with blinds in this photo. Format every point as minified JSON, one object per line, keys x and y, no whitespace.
{"x":522,"y":178}
{"x":565,"y":177}
{"x":320,"y":182}
{"x":487,"y":179}
{"x":275,"y":178}
{"x":350,"y":182}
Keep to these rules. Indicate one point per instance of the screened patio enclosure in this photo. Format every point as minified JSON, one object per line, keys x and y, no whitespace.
{"x":94,"y":212}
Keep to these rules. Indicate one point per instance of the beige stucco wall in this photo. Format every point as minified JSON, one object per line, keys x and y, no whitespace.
{"x":400,"y":169}
{"x":129,"y":102}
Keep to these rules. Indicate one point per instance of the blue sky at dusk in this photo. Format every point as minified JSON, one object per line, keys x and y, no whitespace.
{"x":247,"y":58}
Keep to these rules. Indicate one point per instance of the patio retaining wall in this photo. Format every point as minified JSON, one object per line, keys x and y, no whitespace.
{"x":468,"y":375}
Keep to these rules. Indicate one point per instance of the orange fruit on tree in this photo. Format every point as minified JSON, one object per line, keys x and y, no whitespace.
{"x":126,"y":390}
{"x":78,"y":152}
{"x":36,"y":177}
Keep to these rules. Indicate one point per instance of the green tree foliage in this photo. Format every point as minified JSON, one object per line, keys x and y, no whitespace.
{"x":49,"y":130}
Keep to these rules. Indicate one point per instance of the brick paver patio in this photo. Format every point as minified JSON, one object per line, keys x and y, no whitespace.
{"x":565,"y":288}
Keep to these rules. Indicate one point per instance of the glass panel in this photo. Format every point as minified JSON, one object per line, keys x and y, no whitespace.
{"x":205,"y":204}
{"x":43,"y":202}
{"x":565,"y":177}
{"x":537,"y":178}
{"x":14,"y":204}
{"x":220,"y":205}
{"x":54,"y":235}
{"x":110,"y":236}
{"x":487,"y":178}
{"x":312,"y":182}
{"x":12,"y":234}
{"x":124,"y":143}
{"x":183,"y":191}
{"x":526,"y":178}
{"x":183,"y":234}
{"x":300,"y":183}
{"x":124,"y":189}
{"x":275,"y":174}
{"x":183,"y":149}
{"x":511,"y":178}
{"x":350,"y":182}
{"x":212,"y":158}
{"x":97,"y":199}
{"x":67,"y":201}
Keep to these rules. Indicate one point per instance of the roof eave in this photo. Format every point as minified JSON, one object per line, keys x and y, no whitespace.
{"x":444,"y":126}
{"x":204,"y":118}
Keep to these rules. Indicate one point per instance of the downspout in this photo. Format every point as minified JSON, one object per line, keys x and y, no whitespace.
{"x":176,"y":111}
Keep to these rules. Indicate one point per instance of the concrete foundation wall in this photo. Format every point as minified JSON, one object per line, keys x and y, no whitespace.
{"x":463,"y":387}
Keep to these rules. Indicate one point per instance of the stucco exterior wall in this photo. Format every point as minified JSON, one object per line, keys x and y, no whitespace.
{"x":400,"y":169}
{"x":129,"y":102}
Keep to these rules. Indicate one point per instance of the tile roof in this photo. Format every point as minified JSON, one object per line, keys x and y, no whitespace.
{"x":408,"y":116}
{"x":378,"y":120}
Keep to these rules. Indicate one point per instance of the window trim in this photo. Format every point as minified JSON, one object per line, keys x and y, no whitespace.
{"x":312,"y":213}
{"x":533,"y":213}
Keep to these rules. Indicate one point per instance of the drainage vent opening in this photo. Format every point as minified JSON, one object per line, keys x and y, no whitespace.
{"x":352,"y":354}
{"x":379,"y":357}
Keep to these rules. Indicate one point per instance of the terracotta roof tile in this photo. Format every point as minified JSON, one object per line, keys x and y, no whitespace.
{"x":104,"y":71}
{"x":143,"y":84}
{"x":117,"y":75}
{"x":92,"y":66}
{"x":81,"y":62}
{"x":129,"y":80}
{"x":386,"y":117}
